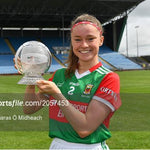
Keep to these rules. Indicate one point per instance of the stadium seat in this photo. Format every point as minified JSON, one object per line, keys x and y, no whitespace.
{"x":16,"y":42}
{"x":110,"y":59}
{"x":117,"y":60}
{"x":4,"y":49}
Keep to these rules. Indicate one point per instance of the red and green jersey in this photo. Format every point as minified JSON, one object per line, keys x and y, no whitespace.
{"x":97,"y":83}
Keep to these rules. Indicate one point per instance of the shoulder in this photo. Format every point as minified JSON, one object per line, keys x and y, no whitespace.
{"x":107,"y":74}
{"x":102,"y":70}
{"x":111,"y":81}
{"x":108,"y":91}
{"x":112,"y":76}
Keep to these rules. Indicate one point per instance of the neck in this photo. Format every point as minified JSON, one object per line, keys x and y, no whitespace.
{"x":84,"y":66}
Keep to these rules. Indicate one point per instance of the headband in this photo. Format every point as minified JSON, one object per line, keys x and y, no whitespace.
{"x":87,"y":22}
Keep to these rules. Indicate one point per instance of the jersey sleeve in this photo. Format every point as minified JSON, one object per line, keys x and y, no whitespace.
{"x":108,"y":91}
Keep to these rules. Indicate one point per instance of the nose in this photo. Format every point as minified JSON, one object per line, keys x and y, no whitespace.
{"x":84,"y":43}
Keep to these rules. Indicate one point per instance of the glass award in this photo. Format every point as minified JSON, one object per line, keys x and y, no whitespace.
{"x":32,"y":59}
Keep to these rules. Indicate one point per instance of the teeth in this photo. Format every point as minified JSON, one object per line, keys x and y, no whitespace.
{"x":84,"y":52}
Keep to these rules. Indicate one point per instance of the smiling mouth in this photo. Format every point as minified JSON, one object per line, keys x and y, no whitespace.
{"x":85,"y":51}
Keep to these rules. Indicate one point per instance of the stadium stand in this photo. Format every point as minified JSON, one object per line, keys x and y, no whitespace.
{"x":54,"y":66}
{"x":51,"y":27}
{"x":61,"y":52}
{"x":105,"y":64}
{"x":53,"y":42}
{"x":8,"y":70}
{"x":6,"y":61}
{"x":4,"y":49}
{"x":144,"y":61}
{"x":117,"y":60}
{"x":62,"y":57}
{"x":110,"y":59}
{"x":146,"y":58}
{"x":49,"y":42}
{"x":16,"y":42}
{"x":7,"y":65}
{"x":139,"y":60}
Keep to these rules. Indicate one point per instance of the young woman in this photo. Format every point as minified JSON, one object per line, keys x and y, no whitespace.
{"x":83,"y":96}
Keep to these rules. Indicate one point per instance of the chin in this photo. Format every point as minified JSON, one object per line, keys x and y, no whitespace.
{"x":86,"y":60}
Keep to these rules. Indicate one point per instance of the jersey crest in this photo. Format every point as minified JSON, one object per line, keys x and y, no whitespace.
{"x":88,"y":89}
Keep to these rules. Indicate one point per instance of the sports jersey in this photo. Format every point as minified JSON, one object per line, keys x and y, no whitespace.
{"x":97,"y":83}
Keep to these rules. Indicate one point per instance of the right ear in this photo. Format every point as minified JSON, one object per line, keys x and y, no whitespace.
{"x":101,"y":40}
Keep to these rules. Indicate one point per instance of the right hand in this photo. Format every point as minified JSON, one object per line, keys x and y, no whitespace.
{"x":48,"y":87}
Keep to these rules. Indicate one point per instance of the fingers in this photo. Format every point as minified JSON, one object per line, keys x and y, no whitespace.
{"x":19,"y":62}
{"x":42,"y":82}
{"x":47,"y":87}
{"x":18,"y":66}
{"x":14,"y":63}
{"x":14,"y":60}
{"x":41,"y":85}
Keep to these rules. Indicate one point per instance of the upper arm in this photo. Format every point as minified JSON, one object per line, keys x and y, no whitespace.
{"x":96,"y":114}
{"x":105,"y":101}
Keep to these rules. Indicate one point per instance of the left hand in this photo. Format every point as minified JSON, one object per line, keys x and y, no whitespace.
{"x":47,"y":87}
{"x":20,"y":71}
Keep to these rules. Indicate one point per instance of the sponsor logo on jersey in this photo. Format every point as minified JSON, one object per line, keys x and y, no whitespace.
{"x":74,"y":84}
{"x":56,"y":113}
{"x":109,"y":92}
{"x":88,"y":89}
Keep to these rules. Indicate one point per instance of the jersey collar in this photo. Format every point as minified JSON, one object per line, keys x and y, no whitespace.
{"x":95,"y":67}
{"x":78,"y":76}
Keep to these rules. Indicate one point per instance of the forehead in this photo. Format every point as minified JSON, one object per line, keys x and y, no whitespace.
{"x":83,"y":29}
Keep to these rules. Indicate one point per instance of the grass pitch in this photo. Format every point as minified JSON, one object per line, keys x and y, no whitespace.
{"x":130,"y":125}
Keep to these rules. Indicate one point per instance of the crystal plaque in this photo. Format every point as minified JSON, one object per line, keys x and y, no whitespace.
{"x":32,"y":59}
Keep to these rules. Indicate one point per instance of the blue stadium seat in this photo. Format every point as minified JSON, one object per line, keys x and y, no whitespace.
{"x":117,"y":59}
{"x":114,"y":58}
{"x":16,"y":42}
{"x":6,"y":60}
{"x":49,"y":42}
{"x":62,"y":57}
{"x":8,"y":70}
{"x":106,"y":65}
{"x":54,"y":66}
{"x":7,"y":64}
{"x":4,"y":49}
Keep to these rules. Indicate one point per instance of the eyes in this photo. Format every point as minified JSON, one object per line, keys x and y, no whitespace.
{"x":90,"y":39}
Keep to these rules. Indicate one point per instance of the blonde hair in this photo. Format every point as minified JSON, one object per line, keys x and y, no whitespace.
{"x":72,"y":60}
